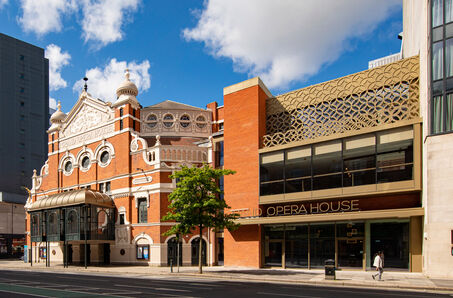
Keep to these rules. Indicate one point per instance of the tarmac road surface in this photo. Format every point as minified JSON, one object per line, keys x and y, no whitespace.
{"x":44,"y":284}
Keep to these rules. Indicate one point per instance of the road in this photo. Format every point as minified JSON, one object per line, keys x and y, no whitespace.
{"x":44,"y":284}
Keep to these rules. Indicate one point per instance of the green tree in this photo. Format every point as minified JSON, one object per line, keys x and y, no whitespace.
{"x":196,"y":203}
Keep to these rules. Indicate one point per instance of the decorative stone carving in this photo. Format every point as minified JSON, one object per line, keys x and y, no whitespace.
{"x":87,"y":117}
{"x":122,"y":235}
{"x":88,"y":136}
{"x":152,"y":123}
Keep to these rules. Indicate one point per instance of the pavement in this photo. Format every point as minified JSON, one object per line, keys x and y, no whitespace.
{"x":346,"y":278}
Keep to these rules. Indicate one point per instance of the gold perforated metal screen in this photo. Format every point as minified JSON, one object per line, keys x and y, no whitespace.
{"x":370,"y":98}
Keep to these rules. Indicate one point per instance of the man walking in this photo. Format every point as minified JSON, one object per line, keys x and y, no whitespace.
{"x":379,"y":264}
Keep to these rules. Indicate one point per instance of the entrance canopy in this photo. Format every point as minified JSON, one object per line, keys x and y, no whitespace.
{"x":73,"y":197}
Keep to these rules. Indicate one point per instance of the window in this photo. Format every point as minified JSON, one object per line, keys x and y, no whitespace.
{"x":68,"y":167}
{"x":121,"y":112}
{"x":133,"y":112}
{"x":271,"y":173}
{"x":122,"y":219}
{"x":142,"y":211}
{"x":381,"y":157}
{"x":53,"y":224}
{"x":22,"y":89}
{"x":221,"y":126}
{"x":22,"y":75}
{"x":105,"y":158}
{"x":22,"y":57}
{"x":184,"y":121}
{"x":441,"y":66}
{"x":219,"y":153}
{"x":121,"y":124}
{"x":201,"y":121}
{"x":168,"y":120}
{"x":221,"y":187}
{"x":151,"y":121}
{"x":22,"y":104}
{"x":142,"y":252}
{"x":85,"y":162}
{"x":104,"y":187}
{"x":35,"y":231}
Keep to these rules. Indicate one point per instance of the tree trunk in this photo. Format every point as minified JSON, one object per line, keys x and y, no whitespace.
{"x":200,"y":250}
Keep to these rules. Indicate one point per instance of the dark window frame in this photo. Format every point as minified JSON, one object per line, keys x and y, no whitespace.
{"x":142,"y":210}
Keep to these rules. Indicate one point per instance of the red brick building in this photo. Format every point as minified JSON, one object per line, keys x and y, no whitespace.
{"x":102,"y":192}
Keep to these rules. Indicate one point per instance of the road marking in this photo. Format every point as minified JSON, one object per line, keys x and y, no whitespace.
{"x":34,"y":295}
{"x":168,"y":289}
{"x":37,"y":291}
{"x":287,"y":295}
{"x":153,"y":288}
{"x":166,"y":284}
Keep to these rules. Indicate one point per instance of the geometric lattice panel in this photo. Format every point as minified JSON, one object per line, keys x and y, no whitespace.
{"x":382,"y":95}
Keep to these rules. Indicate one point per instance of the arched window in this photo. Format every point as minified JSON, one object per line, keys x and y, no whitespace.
{"x":35,"y":231}
{"x":72,"y":226}
{"x":142,"y":210}
{"x":53,"y":224}
{"x":168,"y":120}
{"x":184,"y":121}
{"x":201,"y":121}
{"x":151,"y":120}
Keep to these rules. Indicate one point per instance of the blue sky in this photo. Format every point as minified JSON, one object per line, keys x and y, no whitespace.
{"x":188,"y":51}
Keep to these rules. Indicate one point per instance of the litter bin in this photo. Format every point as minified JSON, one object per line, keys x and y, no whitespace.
{"x":329,"y":266}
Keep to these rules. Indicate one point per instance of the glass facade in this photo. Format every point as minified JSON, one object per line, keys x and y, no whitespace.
{"x":310,"y":245}
{"x":367,"y":159}
{"x":442,"y":66}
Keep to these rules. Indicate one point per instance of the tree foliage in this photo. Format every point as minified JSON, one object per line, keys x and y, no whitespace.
{"x":196,"y":203}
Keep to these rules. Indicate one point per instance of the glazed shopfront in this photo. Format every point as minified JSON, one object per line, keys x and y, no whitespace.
{"x":349,"y":231}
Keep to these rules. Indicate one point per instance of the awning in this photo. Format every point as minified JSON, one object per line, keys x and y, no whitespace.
{"x":71,"y":198}
{"x":359,"y":215}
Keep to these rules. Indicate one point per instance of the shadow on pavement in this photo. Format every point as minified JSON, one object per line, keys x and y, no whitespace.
{"x":265,"y":272}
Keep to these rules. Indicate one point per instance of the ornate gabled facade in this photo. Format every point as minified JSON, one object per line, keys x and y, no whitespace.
{"x":100,"y":196}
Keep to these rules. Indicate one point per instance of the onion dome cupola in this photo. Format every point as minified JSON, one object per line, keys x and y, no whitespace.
{"x":57,"y":118}
{"x":126,"y":93}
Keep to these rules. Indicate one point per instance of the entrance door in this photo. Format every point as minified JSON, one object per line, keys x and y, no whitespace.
{"x":172,"y":252}
{"x":196,"y":251}
{"x":350,"y":253}
{"x":274,"y":255}
{"x":69,"y":253}
{"x":82,"y":254}
{"x":106,"y":253}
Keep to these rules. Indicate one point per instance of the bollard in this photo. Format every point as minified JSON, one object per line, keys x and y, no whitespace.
{"x":171,"y":265}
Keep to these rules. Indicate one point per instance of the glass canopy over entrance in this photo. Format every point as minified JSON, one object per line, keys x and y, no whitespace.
{"x":72,"y":216}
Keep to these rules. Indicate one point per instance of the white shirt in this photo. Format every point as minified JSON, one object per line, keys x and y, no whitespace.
{"x":378,"y":262}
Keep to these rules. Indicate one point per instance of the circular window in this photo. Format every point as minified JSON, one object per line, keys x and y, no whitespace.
{"x":184,"y":121}
{"x":85,"y":162}
{"x":168,"y":120}
{"x":105,"y":157}
{"x":152,"y":120}
{"x":201,"y":122}
{"x":68,"y":167}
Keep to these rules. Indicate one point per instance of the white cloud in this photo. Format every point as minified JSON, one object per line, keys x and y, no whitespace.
{"x":52,"y":103}
{"x":102,"y":19}
{"x":102,"y":83}
{"x":57,"y":60}
{"x":3,"y":3}
{"x":287,"y":40}
{"x":44,"y":16}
